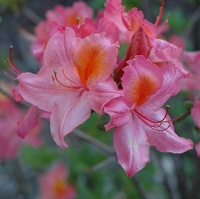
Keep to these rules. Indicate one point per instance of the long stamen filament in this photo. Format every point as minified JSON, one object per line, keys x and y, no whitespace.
{"x":11,"y":61}
{"x":157,"y":124}
{"x":9,"y":66}
{"x":69,"y":79}
{"x":55,"y":78}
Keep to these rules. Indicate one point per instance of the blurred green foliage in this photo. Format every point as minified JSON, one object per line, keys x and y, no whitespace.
{"x":12,"y":5}
{"x":177,"y":20}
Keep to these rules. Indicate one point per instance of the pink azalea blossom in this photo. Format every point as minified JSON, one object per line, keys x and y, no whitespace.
{"x":67,"y":16}
{"x":54,"y":185}
{"x":128,"y":23}
{"x":138,"y":118}
{"x":59,"y":16}
{"x":197,"y":147}
{"x":192,"y":62}
{"x":10,"y":143}
{"x":195,"y":112}
{"x":74,"y":80}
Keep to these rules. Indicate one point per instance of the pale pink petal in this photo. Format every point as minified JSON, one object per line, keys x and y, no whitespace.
{"x":28,"y":122}
{"x":40,"y":90}
{"x":53,"y":184}
{"x":195,"y":111}
{"x":56,"y":53}
{"x":150,"y":29}
{"x":170,"y":87}
{"x":94,"y":58}
{"x":86,"y":29}
{"x":131,"y":146}
{"x":141,"y":79}
{"x":118,"y":111}
{"x":83,"y":10}
{"x":133,"y":19}
{"x":190,"y":83}
{"x":67,"y":114}
{"x":164,"y":137}
{"x":33,"y":137}
{"x":45,"y":115}
{"x":103,"y":92}
{"x":179,"y":64}
{"x":193,"y":60}
{"x":113,"y":12}
{"x":197,"y":147}
{"x":70,"y":15}
{"x":111,"y":30}
{"x":16,"y":95}
{"x":163,"y":51}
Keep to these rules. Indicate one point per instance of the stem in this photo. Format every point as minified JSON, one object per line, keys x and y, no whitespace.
{"x":94,"y":141}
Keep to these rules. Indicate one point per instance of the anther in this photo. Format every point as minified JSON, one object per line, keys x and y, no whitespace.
{"x":77,"y":20}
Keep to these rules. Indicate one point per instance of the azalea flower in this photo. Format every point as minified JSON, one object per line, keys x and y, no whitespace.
{"x":74,"y":80}
{"x":58,"y":16}
{"x":10,"y":143}
{"x":127,"y":22}
{"x":53,"y":184}
{"x":138,"y":118}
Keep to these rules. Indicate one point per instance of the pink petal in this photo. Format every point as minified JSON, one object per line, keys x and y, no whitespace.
{"x":94,"y":57}
{"x":193,"y":60}
{"x":28,"y":122}
{"x":197,"y":147}
{"x":118,"y":111}
{"x":195,"y":111}
{"x":163,"y":51}
{"x":166,"y":140}
{"x":141,"y":79}
{"x":131,"y":146}
{"x":103,"y":92}
{"x":40,"y":90}
{"x":170,"y":87}
{"x":67,"y":114}
{"x":114,"y":11}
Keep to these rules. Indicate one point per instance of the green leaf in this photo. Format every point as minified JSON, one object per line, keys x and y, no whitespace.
{"x":39,"y":158}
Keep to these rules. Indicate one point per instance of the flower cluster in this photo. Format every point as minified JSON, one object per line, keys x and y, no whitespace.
{"x":81,"y":72}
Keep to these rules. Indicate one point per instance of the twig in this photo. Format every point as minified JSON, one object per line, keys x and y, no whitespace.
{"x":27,"y":35}
{"x":32,"y":16}
{"x":183,"y":116}
{"x":101,"y":164}
{"x":94,"y":141}
{"x":8,"y":95}
{"x":192,"y":21}
{"x":139,"y":188}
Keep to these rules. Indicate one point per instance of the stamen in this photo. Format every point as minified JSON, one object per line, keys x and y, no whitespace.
{"x":8,"y":65}
{"x":159,"y":17}
{"x":71,"y":81}
{"x":11,"y":61}
{"x":55,"y":78}
{"x":157,"y":125}
{"x":77,"y":20}
{"x":11,"y":66}
{"x":13,"y":78}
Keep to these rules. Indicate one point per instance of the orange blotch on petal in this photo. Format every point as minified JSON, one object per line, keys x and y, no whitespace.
{"x":60,"y":187}
{"x":94,"y":59}
{"x":143,"y":89}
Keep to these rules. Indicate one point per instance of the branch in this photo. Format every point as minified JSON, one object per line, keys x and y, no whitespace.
{"x":94,"y":141}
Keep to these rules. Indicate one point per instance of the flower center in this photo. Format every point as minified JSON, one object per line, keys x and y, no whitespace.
{"x":60,"y":187}
{"x":67,"y":83}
